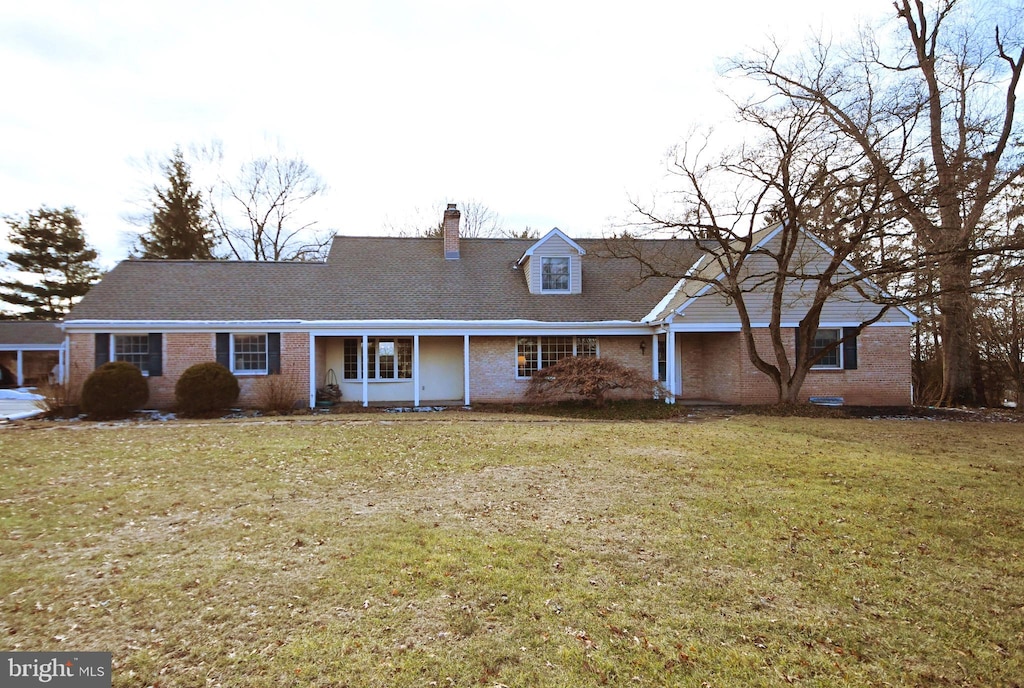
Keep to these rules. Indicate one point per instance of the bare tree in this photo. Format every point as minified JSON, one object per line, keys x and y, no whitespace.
{"x":756,"y":212}
{"x":260,"y":214}
{"x":933,"y":113}
{"x":999,"y":310}
{"x":1000,"y":321}
{"x":478,"y":221}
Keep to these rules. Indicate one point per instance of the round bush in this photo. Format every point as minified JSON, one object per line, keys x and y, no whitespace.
{"x":205,"y":387}
{"x":114,"y":390}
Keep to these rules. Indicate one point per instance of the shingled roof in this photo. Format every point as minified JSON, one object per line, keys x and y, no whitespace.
{"x":30,"y":333}
{"x":375,"y":278}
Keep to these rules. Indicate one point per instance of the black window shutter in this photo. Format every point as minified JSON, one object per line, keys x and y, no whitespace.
{"x":849,"y":351}
{"x":102,"y":349}
{"x":156,"y":354}
{"x":274,"y":353}
{"x":224,"y":349}
{"x":796,"y":347}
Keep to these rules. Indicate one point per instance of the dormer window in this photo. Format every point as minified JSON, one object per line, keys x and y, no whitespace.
{"x":554,"y":273}
{"x":552,"y":265}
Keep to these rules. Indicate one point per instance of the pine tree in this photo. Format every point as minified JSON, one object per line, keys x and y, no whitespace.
{"x":53,"y":264}
{"x":180,"y":228}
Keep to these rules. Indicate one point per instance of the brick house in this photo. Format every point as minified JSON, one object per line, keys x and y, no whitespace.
{"x":455,"y":320}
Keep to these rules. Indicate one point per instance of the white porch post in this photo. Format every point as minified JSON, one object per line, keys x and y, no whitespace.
{"x":312,"y":370}
{"x":654,"y":357}
{"x":670,"y":366}
{"x":366,"y":371}
{"x":465,"y":368}
{"x":65,"y":369}
{"x":415,"y":370}
{"x":21,"y":368}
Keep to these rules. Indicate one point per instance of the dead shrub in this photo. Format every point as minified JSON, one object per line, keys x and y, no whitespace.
{"x":58,"y":399}
{"x":577,"y":377}
{"x":278,"y":394}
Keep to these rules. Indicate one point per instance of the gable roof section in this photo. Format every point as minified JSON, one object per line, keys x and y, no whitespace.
{"x":374,"y":278}
{"x":700,"y":278}
{"x":706,"y":271}
{"x":555,"y":232}
{"x":30,"y":333}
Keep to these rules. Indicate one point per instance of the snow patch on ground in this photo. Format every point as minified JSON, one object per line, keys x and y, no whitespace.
{"x":20,"y":394}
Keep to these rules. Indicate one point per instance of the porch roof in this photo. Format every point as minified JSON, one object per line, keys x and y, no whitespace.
{"x":33,"y":333}
{"x":375,"y":278}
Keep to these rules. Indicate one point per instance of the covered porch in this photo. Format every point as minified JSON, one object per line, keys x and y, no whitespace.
{"x":701,"y":366}
{"x":31,"y":353}
{"x":375,"y":368}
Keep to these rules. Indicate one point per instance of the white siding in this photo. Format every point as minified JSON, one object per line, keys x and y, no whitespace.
{"x":845,"y":306}
{"x":554,"y":246}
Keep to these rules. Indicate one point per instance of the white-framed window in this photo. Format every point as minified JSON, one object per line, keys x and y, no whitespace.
{"x":387,"y":358}
{"x":826,"y":336}
{"x":350,"y":361}
{"x":249,"y":354}
{"x":534,"y":353}
{"x":554,"y":273}
{"x":131,"y":348}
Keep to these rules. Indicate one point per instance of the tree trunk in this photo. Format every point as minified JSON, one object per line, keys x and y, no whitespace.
{"x":958,"y":387}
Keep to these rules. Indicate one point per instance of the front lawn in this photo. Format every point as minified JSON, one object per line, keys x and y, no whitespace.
{"x":483,"y":550}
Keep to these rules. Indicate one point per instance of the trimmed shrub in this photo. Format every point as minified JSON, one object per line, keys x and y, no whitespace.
{"x":205,"y":387}
{"x":114,"y":390}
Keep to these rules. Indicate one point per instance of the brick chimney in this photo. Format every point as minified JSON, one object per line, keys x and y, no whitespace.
{"x":450,"y":229}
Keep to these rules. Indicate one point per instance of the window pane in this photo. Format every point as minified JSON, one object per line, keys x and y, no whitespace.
{"x":526,"y":356}
{"x":823,"y":338}
{"x":134,"y":349}
{"x":554,"y":349}
{"x":251,"y":353}
{"x":586,"y":346}
{"x":350,"y":364}
{"x":554,"y":273}
{"x":404,"y":358}
{"x":386,"y":359}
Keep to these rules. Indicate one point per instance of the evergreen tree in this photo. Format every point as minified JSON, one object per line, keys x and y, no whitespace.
{"x":180,"y":229}
{"x":52,"y":262}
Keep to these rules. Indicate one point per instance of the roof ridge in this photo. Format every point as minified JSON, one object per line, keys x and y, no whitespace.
{"x":220,"y":261}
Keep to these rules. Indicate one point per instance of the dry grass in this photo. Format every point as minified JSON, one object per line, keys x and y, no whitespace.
{"x":479,"y":550}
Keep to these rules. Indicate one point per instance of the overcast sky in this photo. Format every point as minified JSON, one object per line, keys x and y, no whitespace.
{"x":550,"y":113}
